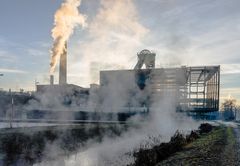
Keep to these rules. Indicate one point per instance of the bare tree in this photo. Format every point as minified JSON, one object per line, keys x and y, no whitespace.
{"x":229,"y":107}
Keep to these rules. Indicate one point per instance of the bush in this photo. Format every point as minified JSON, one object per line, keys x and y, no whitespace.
{"x":192,"y":136}
{"x":150,"y":157}
{"x":158,"y":153}
{"x":205,"y":128}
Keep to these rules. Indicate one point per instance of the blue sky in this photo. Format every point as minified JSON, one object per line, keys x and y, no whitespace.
{"x":181,"y":32}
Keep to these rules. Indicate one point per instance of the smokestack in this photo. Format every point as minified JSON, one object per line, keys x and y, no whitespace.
{"x":63,"y":66}
{"x":66,"y":18}
{"x":51,"y":80}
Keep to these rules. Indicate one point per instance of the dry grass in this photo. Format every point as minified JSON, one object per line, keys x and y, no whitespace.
{"x":160,"y":152}
{"x":215,"y":148}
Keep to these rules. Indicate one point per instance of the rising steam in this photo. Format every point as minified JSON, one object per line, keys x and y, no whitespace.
{"x":66,"y":18}
{"x":114,"y":35}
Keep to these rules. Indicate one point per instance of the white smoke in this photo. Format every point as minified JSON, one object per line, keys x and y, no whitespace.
{"x":114,"y":35}
{"x":66,"y":18}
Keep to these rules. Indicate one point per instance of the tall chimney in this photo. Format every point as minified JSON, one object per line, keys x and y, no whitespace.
{"x":63,"y":67}
{"x":51,"y":80}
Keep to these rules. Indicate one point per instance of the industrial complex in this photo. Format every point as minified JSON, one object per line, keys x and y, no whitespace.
{"x":121,"y":94}
{"x":193,"y":89}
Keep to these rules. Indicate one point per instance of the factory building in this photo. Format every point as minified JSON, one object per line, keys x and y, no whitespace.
{"x":194,"y":89}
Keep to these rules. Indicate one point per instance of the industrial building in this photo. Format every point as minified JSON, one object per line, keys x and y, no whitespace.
{"x":194,"y":89}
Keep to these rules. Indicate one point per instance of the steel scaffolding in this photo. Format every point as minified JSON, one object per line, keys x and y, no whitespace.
{"x":203,"y":88}
{"x":195,"y":89}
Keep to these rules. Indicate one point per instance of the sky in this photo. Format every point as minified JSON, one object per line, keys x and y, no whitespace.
{"x":180,"y":32}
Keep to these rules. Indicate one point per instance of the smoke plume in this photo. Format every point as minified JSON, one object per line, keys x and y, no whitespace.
{"x":113,"y":37}
{"x":66,"y":18}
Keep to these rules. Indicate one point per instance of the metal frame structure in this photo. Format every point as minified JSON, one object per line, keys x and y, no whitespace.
{"x":196,"y":89}
{"x":203,"y":88}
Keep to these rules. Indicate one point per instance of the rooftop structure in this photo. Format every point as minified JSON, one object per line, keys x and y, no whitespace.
{"x":145,"y":57}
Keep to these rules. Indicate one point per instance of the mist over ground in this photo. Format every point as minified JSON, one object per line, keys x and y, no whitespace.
{"x":161,"y":124}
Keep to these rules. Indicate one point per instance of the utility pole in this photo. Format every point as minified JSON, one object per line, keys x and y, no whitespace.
{"x":1,"y":75}
{"x":36,"y":83}
{"x":235,"y":110}
{"x":11,"y":113}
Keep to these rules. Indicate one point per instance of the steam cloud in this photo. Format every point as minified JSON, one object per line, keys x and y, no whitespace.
{"x":114,"y":35}
{"x":66,"y":18}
